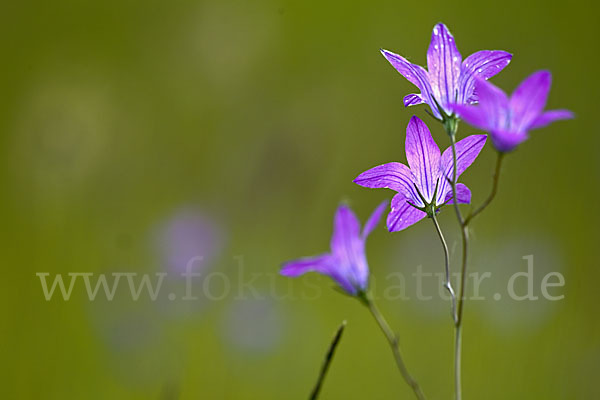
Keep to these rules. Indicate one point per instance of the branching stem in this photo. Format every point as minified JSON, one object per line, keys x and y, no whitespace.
{"x":448,"y":283}
{"x":463,"y":279}
{"x":464,"y":228}
{"x":393,"y":342}
{"x":487,"y":201}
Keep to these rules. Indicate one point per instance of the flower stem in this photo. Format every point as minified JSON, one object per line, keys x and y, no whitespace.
{"x":487,"y":201}
{"x":453,"y":183}
{"x":447,"y":284}
{"x":328,"y":358}
{"x":457,"y":360}
{"x":393,"y":342}
{"x":463,"y":281}
{"x":464,"y":228}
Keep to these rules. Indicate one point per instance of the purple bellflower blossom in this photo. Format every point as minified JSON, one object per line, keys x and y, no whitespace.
{"x":509,"y":120}
{"x":448,"y":79}
{"x":425,"y":186}
{"x":346,"y":264}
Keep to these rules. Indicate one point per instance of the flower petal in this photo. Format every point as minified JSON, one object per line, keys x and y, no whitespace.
{"x":505,"y":141}
{"x":324,"y":264}
{"x":412,"y":99}
{"x":474,"y":115}
{"x":320,"y":263}
{"x":467,"y":151}
{"x":550,"y":116}
{"x":494,"y":104}
{"x":529,"y":99}
{"x":394,"y":175}
{"x":415,"y":74}
{"x":346,"y":279}
{"x":346,"y":228}
{"x":403,"y":214}
{"x":463,"y":195}
{"x":443,"y":64}
{"x":348,"y":247}
{"x":423,"y":157}
{"x":374,"y":219}
{"x":483,"y":64}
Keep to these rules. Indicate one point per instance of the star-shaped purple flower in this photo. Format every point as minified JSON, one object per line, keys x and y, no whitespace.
{"x":509,"y":120}
{"x":346,"y":264}
{"x":425,"y":186}
{"x":448,"y":79}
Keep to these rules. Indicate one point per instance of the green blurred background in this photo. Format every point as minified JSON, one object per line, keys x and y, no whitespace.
{"x":243,"y":124}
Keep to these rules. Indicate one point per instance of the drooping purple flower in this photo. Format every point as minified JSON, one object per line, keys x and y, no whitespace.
{"x":425,"y":186}
{"x":448,"y":79}
{"x":509,"y":120}
{"x":346,"y":264}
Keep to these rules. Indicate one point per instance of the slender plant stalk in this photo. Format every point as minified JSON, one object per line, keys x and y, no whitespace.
{"x":487,"y":201}
{"x":457,"y":359}
{"x":448,"y":283}
{"x":464,"y":228}
{"x":393,"y":342}
{"x":463,"y":280}
{"x":327,"y":362}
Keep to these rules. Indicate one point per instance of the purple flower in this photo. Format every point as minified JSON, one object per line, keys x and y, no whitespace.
{"x":425,"y":186}
{"x":509,"y":120}
{"x":449,"y":79}
{"x":346,"y":264}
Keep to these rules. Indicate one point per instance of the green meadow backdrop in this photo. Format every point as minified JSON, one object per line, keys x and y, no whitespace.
{"x":136,"y":135}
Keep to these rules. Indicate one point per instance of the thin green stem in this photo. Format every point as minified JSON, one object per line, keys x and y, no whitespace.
{"x":393,"y":342}
{"x":463,"y":274}
{"x":487,"y":201}
{"x":464,"y":229}
{"x":457,"y":360}
{"x":453,"y":183}
{"x":463,"y":279}
{"x":448,"y":283}
{"x":327,"y":362}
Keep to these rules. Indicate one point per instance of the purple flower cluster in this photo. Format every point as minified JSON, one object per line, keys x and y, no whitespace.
{"x":454,"y":89}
